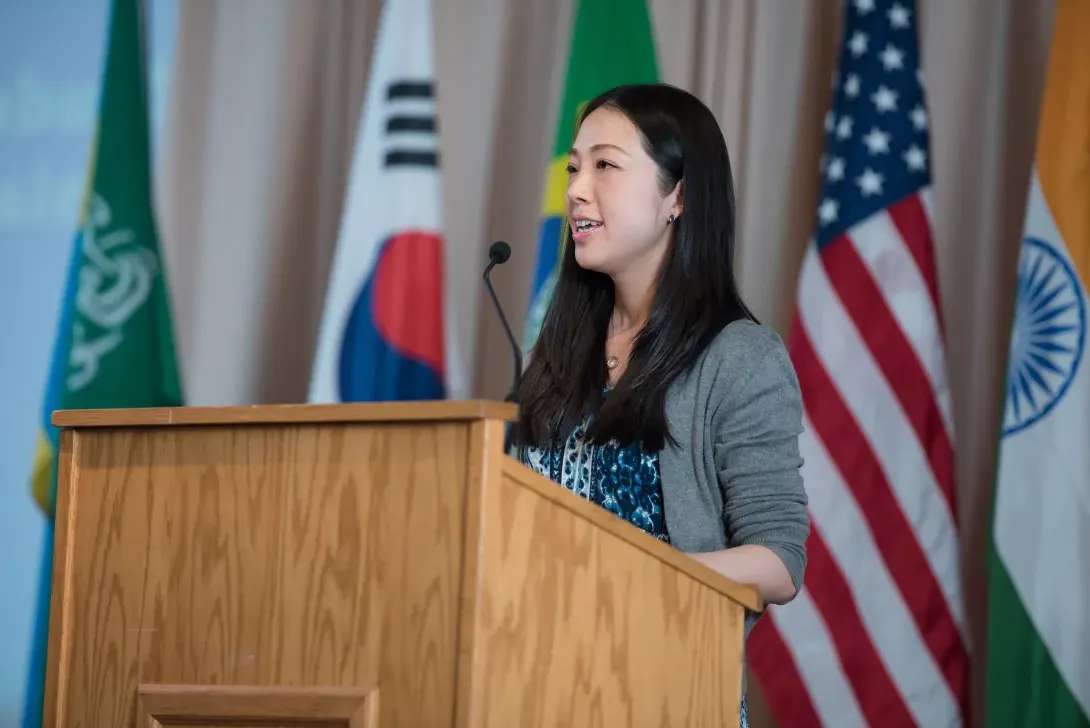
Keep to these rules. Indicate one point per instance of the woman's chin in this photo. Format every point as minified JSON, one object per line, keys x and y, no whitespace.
{"x":589,"y":257}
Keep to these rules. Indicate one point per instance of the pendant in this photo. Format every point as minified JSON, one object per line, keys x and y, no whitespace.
{"x":612,"y":362}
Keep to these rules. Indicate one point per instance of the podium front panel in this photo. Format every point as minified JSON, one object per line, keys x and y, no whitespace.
{"x":295,"y":558}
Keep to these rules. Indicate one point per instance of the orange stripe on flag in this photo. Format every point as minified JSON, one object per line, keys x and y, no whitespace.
{"x":1063,"y":135}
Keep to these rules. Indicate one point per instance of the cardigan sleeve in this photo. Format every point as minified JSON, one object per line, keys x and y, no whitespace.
{"x":757,"y":427}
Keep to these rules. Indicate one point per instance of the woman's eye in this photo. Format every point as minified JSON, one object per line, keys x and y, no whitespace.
{"x":571,"y":169}
{"x":603,"y":164}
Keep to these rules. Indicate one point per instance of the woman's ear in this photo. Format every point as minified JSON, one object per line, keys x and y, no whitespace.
{"x":679,"y":198}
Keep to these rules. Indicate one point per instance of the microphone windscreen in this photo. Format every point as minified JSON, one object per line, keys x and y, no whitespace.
{"x":499,"y":252}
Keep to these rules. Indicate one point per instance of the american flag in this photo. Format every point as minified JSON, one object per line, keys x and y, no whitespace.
{"x":877,"y":636}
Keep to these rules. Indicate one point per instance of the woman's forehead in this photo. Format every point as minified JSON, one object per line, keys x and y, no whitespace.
{"x":606,"y":127}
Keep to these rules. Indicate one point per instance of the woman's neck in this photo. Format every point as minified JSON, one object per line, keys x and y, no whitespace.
{"x":634,"y":291}
{"x":631,"y":306}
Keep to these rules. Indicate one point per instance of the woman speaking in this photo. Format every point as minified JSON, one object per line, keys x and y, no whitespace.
{"x":652,"y":390}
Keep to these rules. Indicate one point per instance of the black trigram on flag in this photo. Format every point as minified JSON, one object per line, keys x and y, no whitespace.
{"x":412,"y":137}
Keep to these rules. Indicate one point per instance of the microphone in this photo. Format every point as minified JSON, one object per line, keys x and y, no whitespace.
{"x":498,"y":254}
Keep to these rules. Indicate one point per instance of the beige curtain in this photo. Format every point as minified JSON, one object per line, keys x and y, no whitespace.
{"x":265,"y":99}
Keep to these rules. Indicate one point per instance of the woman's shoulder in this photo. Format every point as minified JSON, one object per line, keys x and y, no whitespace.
{"x":744,"y":338}
{"x":748,"y":355}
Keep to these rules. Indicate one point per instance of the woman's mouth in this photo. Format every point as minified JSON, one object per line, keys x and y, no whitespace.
{"x":583,"y":228}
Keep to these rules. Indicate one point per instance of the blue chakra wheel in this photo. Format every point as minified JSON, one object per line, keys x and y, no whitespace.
{"x":1047,"y":337}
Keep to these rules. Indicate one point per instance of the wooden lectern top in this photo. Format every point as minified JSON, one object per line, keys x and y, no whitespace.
{"x":276,"y":414}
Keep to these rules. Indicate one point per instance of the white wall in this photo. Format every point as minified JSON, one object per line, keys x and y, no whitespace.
{"x":50,"y":59}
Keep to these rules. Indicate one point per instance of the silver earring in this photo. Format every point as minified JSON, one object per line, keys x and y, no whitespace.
{"x":671,"y":220}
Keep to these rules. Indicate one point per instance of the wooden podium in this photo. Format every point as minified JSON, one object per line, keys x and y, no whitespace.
{"x":363,"y":565}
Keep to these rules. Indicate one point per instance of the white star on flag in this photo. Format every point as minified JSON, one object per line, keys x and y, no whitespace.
{"x":877,"y":141}
{"x":919,"y":118}
{"x":844,"y":127}
{"x":898,"y":16}
{"x":884,"y":99}
{"x":870,"y":182}
{"x":851,"y":86}
{"x":915,"y":158}
{"x":858,"y":44}
{"x":827,"y":211}
{"x":892,"y":58}
{"x":835,"y":169}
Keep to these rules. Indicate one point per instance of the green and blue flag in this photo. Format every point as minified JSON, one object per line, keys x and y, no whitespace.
{"x":114,"y":345}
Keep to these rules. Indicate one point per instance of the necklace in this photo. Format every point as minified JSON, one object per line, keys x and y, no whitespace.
{"x":613,"y":361}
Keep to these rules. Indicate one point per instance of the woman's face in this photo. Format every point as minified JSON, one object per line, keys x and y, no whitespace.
{"x":617,"y":213}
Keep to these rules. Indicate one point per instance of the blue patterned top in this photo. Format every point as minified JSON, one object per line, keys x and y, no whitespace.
{"x":623,"y":480}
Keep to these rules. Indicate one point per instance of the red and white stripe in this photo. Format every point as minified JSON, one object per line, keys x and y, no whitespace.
{"x":877,"y":636}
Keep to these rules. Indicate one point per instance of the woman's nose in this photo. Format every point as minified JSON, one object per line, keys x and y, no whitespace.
{"x":579,"y":188}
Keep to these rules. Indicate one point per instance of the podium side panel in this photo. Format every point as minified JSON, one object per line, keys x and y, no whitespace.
{"x":298,"y":556}
{"x":576,"y":626}
{"x":56,"y":679}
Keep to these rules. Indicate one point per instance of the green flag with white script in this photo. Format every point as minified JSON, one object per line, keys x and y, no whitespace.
{"x":115,"y":341}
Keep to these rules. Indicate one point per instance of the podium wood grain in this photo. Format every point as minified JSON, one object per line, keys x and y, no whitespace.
{"x":275,"y":566}
{"x":263,"y":556}
{"x":605,"y":635}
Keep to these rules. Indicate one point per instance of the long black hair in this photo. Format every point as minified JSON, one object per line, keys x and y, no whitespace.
{"x":695,"y":297}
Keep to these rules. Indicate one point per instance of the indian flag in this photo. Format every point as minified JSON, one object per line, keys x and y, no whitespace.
{"x":1039,"y":598}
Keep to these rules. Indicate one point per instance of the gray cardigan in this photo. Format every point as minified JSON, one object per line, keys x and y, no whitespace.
{"x":733,"y":477}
